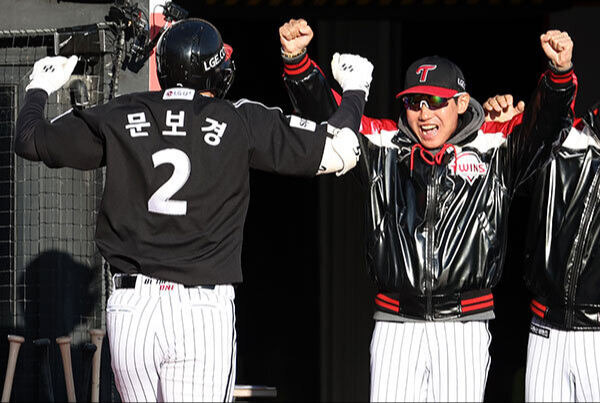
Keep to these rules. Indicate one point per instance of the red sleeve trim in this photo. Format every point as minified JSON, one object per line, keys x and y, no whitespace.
{"x":560,"y":78}
{"x":387,"y":306}
{"x":539,"y":306}
{"x":298,"y":68}
{"x":477,"y":307}
{"x":565,"y":74}
{"x":388,"y":299}
{"x":470,"y":301}
{"x":299,"y":64}
{"x":537,"y":311}
{"x":563,"y":79}
{"x":502,"y":127}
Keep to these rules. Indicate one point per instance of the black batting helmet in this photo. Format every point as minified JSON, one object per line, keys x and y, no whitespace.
{"x":192,"y":54}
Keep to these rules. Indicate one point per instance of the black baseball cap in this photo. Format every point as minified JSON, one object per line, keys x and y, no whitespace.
{"x":433,"y":75}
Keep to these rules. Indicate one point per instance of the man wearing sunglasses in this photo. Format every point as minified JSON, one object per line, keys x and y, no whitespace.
{"x":440,"y":182}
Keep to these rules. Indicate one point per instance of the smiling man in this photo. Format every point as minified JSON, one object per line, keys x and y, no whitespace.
{"x":431,"y":84}
{"x":440,"y":182}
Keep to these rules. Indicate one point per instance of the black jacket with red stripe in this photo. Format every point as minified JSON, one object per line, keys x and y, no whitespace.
{"x":438,"y":223}
{"x":563,"y":259}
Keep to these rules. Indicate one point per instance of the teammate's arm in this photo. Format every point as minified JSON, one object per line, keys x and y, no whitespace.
{"x":292,"y":145}
{"x":307,"y":86}
{"x":547,"y":116}
{"x":309,"y":90}
{"x":71,"y":140}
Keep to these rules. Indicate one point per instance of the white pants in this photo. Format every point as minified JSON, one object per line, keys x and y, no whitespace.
{"x":429,"y":361}
{"x":171,"y":343}
{"x":562,"y":366}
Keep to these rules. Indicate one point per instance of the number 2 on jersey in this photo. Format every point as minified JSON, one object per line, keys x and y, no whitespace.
{"x":160,"y":202}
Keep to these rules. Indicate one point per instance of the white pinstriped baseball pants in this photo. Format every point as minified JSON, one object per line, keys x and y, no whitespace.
{"x":171,"y":343}
{"x":562,"y":367}
{"x":429,"y":361}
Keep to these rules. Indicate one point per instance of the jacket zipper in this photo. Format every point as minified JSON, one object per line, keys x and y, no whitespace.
{"x":572,"y":275}
{"x":430,"y":225}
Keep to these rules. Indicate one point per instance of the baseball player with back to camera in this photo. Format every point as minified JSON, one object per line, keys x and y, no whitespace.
{"x":562,"y":268}
{"x":440,"y":182}
{"x":175,"y":199}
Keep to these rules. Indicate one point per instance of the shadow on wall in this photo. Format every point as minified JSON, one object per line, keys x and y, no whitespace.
{"x":54,"y":296}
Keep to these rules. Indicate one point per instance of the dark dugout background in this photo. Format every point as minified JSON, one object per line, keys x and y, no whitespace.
{"x":304,"y":310}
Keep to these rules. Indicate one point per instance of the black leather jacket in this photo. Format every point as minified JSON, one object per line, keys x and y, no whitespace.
{"x":438,"y":224}
{"x":563,"y":248}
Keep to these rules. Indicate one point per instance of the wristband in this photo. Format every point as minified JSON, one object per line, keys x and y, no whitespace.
{"x":554,"y":68}
{"x":290,"y":56}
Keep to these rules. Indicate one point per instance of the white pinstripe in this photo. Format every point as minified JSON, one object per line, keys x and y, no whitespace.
{"x":429,"y":361}
{"x":172,"y":344}
{"x":562,"y":367}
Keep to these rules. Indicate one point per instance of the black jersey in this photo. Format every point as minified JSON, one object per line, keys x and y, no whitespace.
{"x":177,"y":189}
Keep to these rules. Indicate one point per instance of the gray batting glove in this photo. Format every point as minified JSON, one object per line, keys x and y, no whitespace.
{"x":51,"y":73}
{"x":352,"y":72}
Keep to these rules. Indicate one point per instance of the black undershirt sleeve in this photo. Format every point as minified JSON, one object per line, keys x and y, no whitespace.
{"x":30,"y":116}
{"x":278,"y":145}
{"x":74,"y":140}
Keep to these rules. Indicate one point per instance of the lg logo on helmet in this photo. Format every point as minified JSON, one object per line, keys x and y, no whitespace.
{"x":215,"y":60}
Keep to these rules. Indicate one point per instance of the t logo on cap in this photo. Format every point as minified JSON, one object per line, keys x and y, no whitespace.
{"x":423,"y":70}
{"x":445,"y":82}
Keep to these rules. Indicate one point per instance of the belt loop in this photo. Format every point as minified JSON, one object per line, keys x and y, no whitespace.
{"x":122,"y":280}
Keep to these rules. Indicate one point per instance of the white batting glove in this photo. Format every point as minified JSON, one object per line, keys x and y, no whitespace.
{"x":352,"y":72}
{"x":51,"y":73}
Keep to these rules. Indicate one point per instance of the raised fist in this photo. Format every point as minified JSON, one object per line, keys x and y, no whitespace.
{"x":51,"y":73}
{"x":501,"y":109}
{"x":295,"y":35}
{"x":558,"y":47}
{"x":352,"y":72}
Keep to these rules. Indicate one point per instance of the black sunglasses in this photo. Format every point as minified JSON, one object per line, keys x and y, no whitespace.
{"x":415,"y":102}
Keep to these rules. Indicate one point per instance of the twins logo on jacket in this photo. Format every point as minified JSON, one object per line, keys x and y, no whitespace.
{"x":468,"y":165}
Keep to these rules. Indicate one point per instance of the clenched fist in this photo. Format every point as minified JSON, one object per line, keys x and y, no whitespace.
{"x":558,"y":47}
{"x":501,"y":109}
{"x":295,"y":35}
